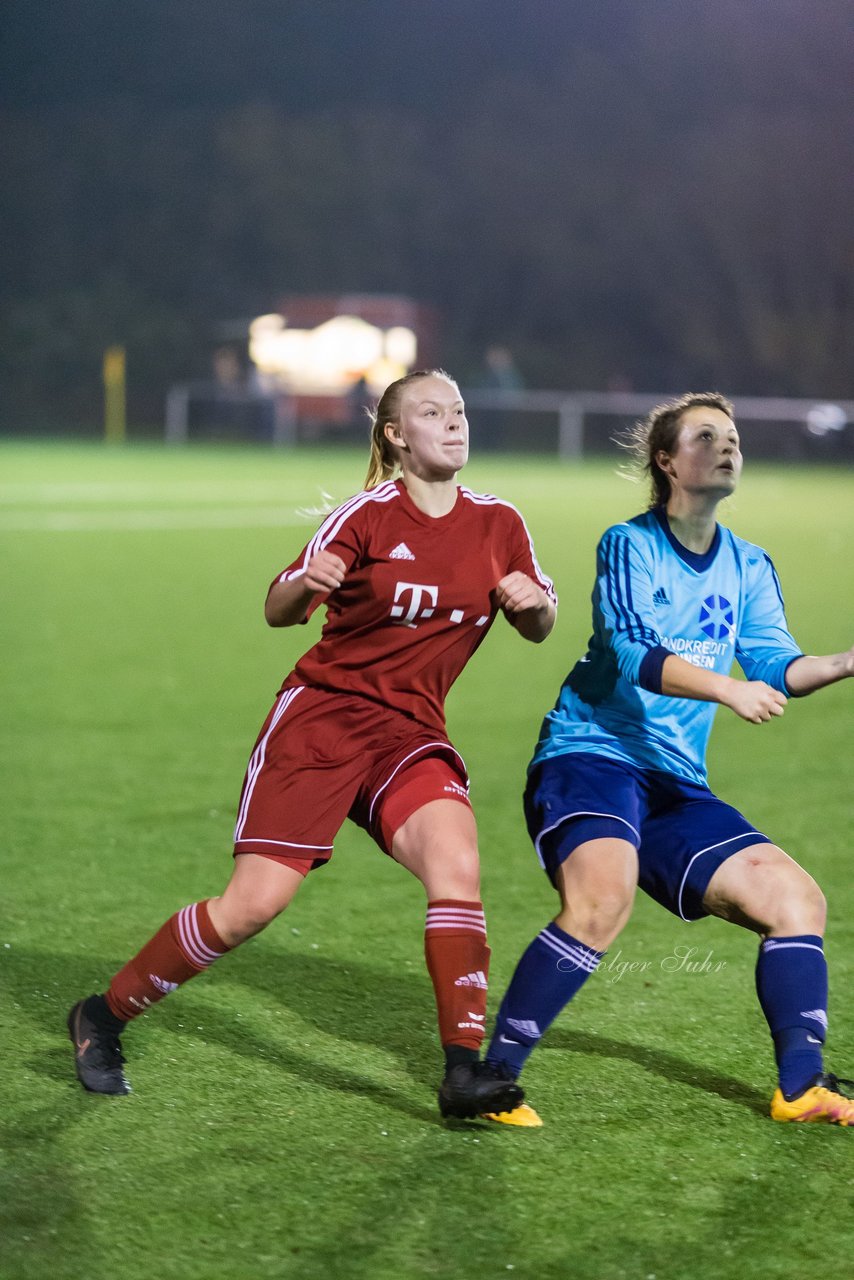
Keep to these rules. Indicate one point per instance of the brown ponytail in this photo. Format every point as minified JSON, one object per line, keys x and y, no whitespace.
{"x":660,"y":430}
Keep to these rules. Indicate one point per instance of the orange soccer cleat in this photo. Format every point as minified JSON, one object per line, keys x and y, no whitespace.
{"x":822,"y":1102}
{"x":523,"y":1116}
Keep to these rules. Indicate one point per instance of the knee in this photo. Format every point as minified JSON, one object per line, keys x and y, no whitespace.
{"x":802,"y":909}
{"x":241,"y":916}
{"x":455,"y":876}
{"x":596,"y":921}
{"x":765,"y":890}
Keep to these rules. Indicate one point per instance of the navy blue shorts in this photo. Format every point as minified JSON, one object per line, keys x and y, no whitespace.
{"x":682,"y":832}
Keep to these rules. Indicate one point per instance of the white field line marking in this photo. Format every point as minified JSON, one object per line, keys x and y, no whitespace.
{"x":141,"y":492}
{"x":148,"y":521}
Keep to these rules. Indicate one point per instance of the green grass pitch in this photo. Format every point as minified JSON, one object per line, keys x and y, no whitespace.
{"x":283,"y":1122}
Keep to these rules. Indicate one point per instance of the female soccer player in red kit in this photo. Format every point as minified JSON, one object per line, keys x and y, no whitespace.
{"x":412,"y":572}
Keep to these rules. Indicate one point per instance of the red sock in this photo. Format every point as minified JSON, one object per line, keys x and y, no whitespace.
{"x":184,"y":946}
{"x":458,"y":962}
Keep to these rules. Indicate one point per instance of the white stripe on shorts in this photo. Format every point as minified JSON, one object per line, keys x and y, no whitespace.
{"x":744,"y":835}
{"x":427,"y":746}
{"x":256,"y":760}
{"x":580,"y":813}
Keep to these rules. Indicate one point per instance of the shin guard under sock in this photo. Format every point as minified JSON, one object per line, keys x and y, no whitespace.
{"x":552,"y":970}
{"x":184,"y":946}
{"x":791,"y":982}
{"x":458,"y":963}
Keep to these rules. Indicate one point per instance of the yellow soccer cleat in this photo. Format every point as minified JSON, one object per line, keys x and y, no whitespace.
{"x":822,"y":1103}
{"x":523,"y":1116}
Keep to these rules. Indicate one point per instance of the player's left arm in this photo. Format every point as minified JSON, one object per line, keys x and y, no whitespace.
{"x":808,"y":673}
{"x":764,"y":647}
{"x":525,"y":594}
{"x":765,"y":641}
{"x":526,"y":606}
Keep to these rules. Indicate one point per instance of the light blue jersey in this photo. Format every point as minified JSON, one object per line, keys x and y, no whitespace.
{"x":652,"y":598}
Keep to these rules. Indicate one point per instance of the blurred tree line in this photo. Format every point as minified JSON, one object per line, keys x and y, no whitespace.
{"x":672,"y":210}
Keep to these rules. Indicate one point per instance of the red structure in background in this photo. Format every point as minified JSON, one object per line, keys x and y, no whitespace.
{"x":385,"y":312}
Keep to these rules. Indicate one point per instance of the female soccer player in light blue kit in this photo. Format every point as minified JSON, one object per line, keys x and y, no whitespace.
{"x":617,"y":793}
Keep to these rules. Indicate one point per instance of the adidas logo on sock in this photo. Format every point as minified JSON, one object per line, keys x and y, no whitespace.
{"x":817,"y":1015}
{"x":401,"y":552}
{"x":659,"y":596}
{"x":162,"y":985}
{"x":472,"y":980}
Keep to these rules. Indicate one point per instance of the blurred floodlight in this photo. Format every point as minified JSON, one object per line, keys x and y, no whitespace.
{"x":334,"y":355}
{"x":824,"y":419}
{"x":265,"y":336}
{"x":400,"y":346}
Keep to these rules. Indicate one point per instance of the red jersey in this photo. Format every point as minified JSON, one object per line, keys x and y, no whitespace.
{"x":418,"y":596}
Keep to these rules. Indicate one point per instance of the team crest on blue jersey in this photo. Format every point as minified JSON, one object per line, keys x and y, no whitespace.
{"x":716,"y":617}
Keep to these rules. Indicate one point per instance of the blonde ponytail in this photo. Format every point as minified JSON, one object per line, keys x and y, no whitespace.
{"x":383,"y":463}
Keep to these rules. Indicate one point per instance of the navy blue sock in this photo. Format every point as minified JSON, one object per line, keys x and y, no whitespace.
{"x":551,"y":971}
{"x":791,"y":982}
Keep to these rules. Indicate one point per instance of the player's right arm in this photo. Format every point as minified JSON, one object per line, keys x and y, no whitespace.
{"x":753,"y":700}
{"x":320,"y":567}
{"x":289,"y":601}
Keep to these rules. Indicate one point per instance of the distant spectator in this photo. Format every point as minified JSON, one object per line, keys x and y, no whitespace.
{"x":359,"y":403}
{"x":226,"y":368}
{"x":500,"y":372}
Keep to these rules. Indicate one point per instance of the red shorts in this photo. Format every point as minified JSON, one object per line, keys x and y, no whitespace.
{"x":322,"y":757}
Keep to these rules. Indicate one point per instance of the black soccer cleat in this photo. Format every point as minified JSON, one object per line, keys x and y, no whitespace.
{"x":97,"y":1051}
{"x":472,"y":1088}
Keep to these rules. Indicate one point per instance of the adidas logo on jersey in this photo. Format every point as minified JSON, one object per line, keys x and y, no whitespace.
{"x":401,"y":552}
{"x":659,"y":596}
{"x":472,"y":980}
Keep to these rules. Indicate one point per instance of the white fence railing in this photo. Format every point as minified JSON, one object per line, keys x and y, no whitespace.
{"x":569,"y":423}
{"x":818,"y":419}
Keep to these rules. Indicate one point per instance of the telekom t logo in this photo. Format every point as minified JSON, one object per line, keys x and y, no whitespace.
{"x":405,"y":614}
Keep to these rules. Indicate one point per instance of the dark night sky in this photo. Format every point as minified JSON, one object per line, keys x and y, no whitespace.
{"x":302,"y":54}
{"x":307,"y":54}
{"x":544,"y":170}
